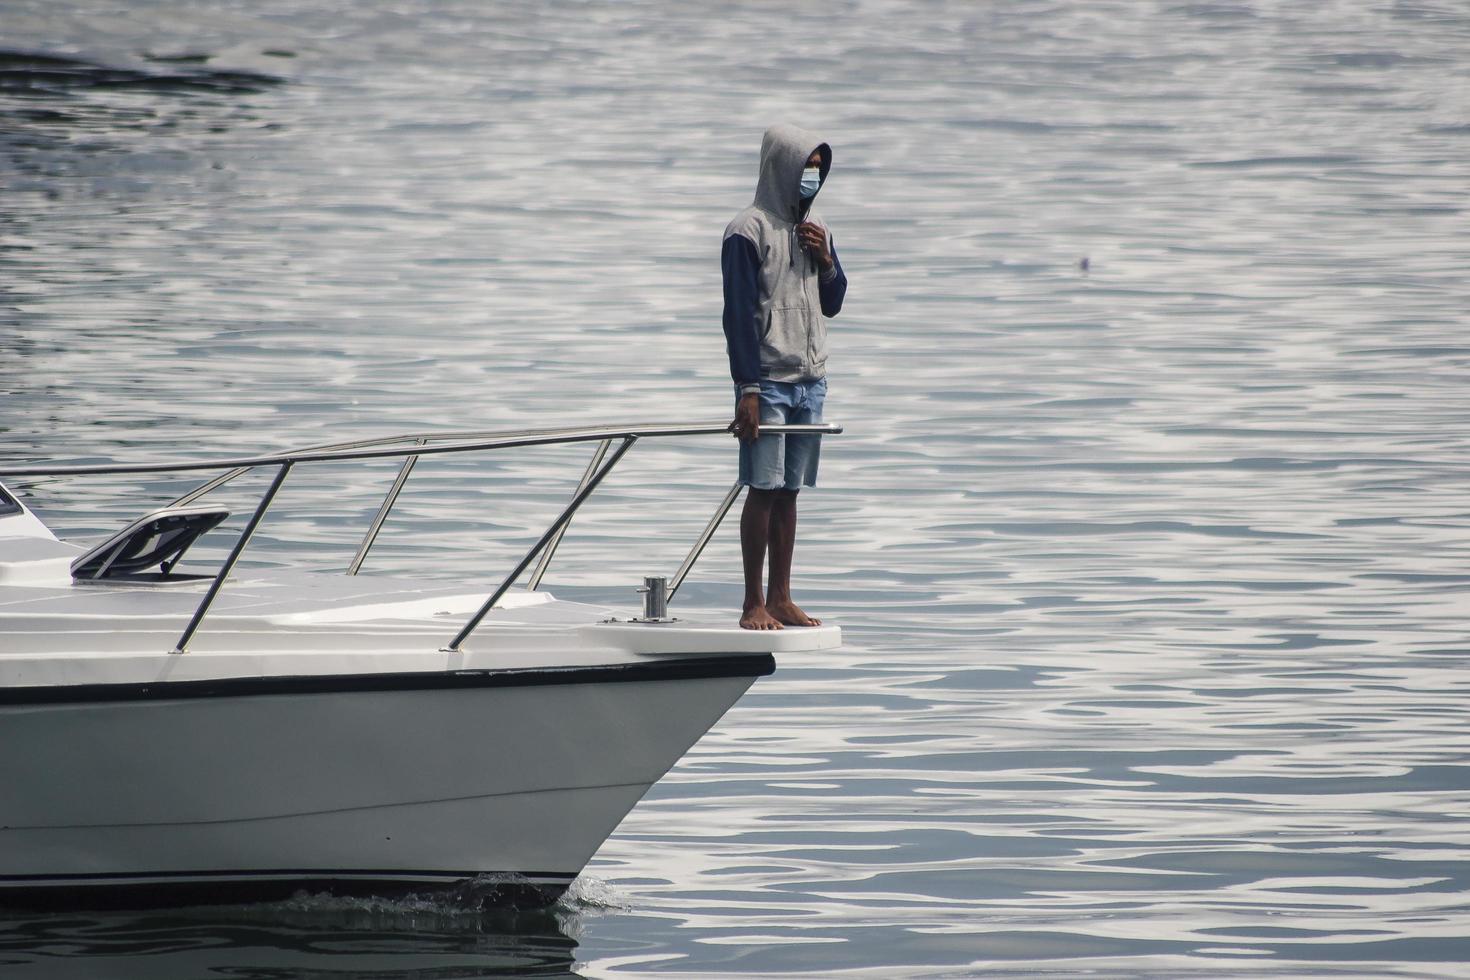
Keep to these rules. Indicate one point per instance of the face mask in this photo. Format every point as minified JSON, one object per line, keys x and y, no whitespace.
{"x":811,"y":179}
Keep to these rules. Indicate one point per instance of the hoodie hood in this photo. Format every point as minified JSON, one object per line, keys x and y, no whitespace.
{"x":784,"y":153}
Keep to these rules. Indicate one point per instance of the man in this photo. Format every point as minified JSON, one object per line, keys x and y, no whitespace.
{"x":782,"y":278}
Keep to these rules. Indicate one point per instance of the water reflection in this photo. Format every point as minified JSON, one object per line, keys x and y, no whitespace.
{"x":305,"y":937}
{"x":103,"y":163}
{"x":48,"y":76}
{"x":56,"y":112}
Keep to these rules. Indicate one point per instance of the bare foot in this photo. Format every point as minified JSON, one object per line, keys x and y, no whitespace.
{"x":790,"y":613}
{"x":757,"y":618}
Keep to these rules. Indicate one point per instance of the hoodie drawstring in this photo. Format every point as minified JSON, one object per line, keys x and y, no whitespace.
{"x":795,"y":238}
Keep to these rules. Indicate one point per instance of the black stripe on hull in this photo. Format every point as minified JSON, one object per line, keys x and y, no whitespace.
{"x":505,"y":890}
{"x":683,"y":668}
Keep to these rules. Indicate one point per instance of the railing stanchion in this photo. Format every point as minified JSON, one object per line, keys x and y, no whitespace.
{"x":566,"y":515}
{"x":550,"y":548}
{"x":382,"y":514}
{"x":228,"y":566}
{"x":704,"y":536}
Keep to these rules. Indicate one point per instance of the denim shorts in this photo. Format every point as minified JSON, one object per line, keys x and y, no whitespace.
{"x":778,"y":461}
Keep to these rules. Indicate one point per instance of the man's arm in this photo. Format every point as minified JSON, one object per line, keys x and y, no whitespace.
{"x":832,"y":286}
{"x":831,"y":280}
{"x":741,"y":266}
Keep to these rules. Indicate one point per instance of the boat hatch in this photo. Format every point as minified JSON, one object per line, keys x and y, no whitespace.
{"x":8,"y":504}
{"x":159,"y":538}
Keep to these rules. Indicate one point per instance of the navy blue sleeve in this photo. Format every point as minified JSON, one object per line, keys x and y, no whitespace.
{"x":833,"y":289}
{"x":741,"y":266}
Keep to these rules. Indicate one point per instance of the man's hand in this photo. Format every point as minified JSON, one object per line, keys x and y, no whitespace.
{"x":814,"y":239}
{"x":747,"y":424}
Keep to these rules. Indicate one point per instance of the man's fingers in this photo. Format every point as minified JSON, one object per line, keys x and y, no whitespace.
{"x":747,"y":419}
{"x":746,"y":432}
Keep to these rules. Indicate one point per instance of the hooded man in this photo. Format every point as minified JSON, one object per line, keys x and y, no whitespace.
{"x":782,"y":279}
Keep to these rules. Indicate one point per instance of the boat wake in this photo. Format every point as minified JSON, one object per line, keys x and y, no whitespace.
{"x":480,"y":896}
{"x":588,"y":894}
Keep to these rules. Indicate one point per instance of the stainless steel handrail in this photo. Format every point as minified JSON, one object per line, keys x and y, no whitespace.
{"x":427,"y":444}
{"x":550,"y":548}
{"x":224,"y":478}
{"x":235,"y":552}
{"x":530,"y":437}
{"x":382,"y":514}
{"x":556,"y":525}
{"x":703,"y":539}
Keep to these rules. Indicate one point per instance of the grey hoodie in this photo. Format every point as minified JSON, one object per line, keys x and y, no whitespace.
{"x":775,"y":296}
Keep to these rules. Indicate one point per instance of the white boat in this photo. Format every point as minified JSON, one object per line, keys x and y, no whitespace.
{"x":173,"y":736}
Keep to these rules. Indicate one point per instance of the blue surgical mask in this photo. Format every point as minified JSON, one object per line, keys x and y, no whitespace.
{"x":811,"y":179}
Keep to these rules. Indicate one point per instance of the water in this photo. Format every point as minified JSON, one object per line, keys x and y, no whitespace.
{"x":1153,"y":574}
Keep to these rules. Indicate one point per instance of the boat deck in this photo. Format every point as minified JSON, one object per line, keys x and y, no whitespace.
{"x":297,"y":623}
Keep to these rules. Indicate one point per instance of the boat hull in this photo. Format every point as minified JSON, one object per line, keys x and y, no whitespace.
{"x":235,"y":790}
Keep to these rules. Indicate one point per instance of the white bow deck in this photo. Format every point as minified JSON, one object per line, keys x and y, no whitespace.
{"x":282,"y":623}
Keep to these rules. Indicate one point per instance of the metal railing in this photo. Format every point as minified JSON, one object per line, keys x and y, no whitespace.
{"x":410,"y":448}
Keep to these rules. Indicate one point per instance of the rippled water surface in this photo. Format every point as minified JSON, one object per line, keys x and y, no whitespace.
{"x":1153,"y":569}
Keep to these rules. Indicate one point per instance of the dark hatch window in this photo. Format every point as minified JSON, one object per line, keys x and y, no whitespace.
{"x":157,"y":540}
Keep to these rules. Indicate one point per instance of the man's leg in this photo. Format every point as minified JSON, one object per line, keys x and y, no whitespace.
{"x":755,"y":533}
{"x":782,"y":537}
